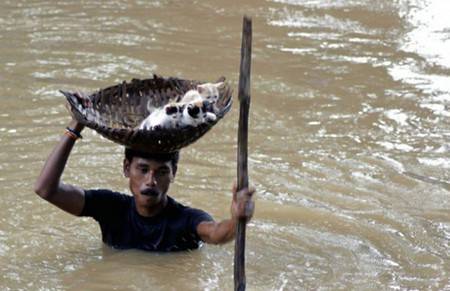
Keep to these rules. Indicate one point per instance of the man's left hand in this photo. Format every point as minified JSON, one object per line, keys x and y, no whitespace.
{"x":242,"y":206}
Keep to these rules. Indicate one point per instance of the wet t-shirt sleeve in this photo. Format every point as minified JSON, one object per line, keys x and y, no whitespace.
{"x":195,"y":217}
{"x":103,"y":204}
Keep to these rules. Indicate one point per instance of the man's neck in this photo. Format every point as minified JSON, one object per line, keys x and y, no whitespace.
{"x":152,"y":211}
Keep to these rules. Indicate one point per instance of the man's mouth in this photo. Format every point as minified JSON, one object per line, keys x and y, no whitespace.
{"x":150,"y":192}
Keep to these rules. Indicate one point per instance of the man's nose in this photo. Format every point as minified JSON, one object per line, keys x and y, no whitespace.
{"x":150,"y":178}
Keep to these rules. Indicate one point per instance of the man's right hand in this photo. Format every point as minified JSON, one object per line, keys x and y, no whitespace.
{"x":74,"y":124}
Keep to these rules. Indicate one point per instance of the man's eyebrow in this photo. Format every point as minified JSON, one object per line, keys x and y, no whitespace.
{"x":143,"y":165}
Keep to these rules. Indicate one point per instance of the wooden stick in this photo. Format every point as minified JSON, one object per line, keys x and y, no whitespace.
{"x":242,"y":169}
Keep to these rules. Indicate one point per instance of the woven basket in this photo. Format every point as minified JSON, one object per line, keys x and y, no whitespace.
{"x":117,"y":111}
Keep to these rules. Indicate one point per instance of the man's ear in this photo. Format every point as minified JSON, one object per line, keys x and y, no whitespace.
{"x":174,"y":171}
{"x":126,"y":168}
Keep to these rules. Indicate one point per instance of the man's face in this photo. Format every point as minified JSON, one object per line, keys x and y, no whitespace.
{"x":149,"y":180}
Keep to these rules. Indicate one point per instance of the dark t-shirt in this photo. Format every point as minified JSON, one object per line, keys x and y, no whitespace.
{"x":174,"y":229}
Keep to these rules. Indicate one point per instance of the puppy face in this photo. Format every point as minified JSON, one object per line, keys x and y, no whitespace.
{"x":195,"y":109}
{"x":210,"y":91}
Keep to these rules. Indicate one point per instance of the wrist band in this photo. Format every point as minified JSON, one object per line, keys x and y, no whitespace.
{"x":73,"y":133}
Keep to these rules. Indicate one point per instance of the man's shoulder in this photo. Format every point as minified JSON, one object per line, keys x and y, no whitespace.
{"x":98,"y":201}
{"x":178,"y":208}
{"x":106,"y":193}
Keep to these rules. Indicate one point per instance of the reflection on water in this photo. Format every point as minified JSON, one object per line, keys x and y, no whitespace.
{"x":349,"y":141}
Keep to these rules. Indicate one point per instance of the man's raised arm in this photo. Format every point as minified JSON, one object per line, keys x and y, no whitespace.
{"x":48,"y":185}
{"x":242,"y":206}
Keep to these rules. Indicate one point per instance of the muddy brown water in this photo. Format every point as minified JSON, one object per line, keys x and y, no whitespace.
{"x":349,"y":142}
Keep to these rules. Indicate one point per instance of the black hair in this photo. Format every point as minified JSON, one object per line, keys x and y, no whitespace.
{"x":172,"y":157}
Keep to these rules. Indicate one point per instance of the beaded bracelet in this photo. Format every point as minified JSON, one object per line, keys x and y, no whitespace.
{"x":73,"y":133}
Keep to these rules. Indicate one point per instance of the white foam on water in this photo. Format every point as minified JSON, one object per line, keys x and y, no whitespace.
{"x":430,"y":36}
{"x":438,"y":109}
{"x":297,"y":51}
{"x":396,"y":146}
{"x":436,"y":162}
{"x":411,"y":74}
{"x":398,"y":116}
{"x":430,"y":39}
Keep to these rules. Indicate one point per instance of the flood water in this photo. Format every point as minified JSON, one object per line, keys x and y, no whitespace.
{"x":349,"y":141}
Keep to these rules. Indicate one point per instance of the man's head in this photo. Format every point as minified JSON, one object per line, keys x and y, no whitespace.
{"x":161,"y":157}
{"x":149,"y":175}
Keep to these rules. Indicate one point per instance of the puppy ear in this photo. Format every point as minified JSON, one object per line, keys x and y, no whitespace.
{"x":200,"y":89}
{"x":220,"y":85}
{"x":171,"y":109}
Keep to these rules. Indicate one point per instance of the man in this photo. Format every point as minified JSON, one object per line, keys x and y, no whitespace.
{"x":150,"y":220}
